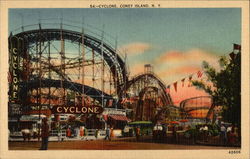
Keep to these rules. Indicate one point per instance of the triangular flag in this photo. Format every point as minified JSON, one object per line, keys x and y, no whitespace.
{"x":183,"y":82}
{"x":199,"y":74}
{"x":168,"y":89}
{"x":190,"y":78}
{"x":175,"y":86}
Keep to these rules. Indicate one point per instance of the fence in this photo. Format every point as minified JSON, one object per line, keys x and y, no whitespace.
{"x":90,"y":132}
{"x":55,"y":133}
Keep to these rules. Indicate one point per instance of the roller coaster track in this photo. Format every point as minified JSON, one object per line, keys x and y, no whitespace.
{"x":166,"y":96}
{"x":76,"y":87}
{"x":114,"y":61}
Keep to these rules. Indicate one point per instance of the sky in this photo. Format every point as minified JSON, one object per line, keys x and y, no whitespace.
{"x":174,"y":41}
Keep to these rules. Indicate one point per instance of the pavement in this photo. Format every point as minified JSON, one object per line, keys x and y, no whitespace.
{"x":129,"y":143}
{"x":55,"y":138}
{"x":144,"y":139}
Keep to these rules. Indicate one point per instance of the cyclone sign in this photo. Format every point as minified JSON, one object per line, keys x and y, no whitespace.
{"x":77,"y":110}
{"x":15,"y":50}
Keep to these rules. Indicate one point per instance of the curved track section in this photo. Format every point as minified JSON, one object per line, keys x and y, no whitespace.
{"x":76,"y":87}
{"x":155,"y":89}
{"x":114,"y":61}
{"x":152,"y":76}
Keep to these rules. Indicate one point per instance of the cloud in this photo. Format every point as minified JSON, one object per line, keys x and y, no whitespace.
{"x":170,"y":56}
{"x":179,"y":70}
{"x":175,"y":65}
{"x":137,"y":69}
{"x":191,"y":56}
{"x":135,"y":48}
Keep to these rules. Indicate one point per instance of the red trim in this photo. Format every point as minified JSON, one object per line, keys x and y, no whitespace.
{"x":119,"y":117}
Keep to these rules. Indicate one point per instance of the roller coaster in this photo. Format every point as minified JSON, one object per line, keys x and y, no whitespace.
{"x":59,"y":66}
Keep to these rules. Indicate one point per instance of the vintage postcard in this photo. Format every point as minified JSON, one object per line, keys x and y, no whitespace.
{"x":124,"y":79}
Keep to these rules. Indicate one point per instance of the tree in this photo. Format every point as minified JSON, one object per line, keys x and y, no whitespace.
{"x":226,"y":86}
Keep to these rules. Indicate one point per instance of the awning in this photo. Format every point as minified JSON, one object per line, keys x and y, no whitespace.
{"x":119,"y":117}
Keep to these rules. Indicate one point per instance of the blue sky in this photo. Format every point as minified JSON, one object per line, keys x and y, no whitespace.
{"x":152,"y":35}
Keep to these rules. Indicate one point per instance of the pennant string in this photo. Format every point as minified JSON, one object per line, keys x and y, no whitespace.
{"x":199,"y":74}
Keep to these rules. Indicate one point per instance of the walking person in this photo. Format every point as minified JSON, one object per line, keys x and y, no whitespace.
{"x":111,"y":133}
{"x":223,"y":133}
{"x":68,"y":132}
{"x":229,"y":129}
{"x":34,"y":133}
{"x":45,"y":134}
{"x":163,"y":134}
{"x":96,"y":133}
{"x":174,"y":134}
{"x":26,"y":134}
{"x":137,"y":132}
{"x":205,"y":130}
{"x":82,"y":133}
{"x":59,"y":131}
{"x":107,"y":137}
{"x":77,"y":132}
{"x":232,"y":138}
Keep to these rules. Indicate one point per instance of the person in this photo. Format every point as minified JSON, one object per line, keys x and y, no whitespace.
{"x":68,"y":133}
{"x":107,"y":137}
{"x":45,"y":134}
{"x":111,"y":133}
{"x":205,"y":129}
{"x":26,"y":134}
{"x":35,"y":133}
{"x":232,"y":138}
{"x":229,"y":128}
{"x":223,"y":133}
{"x":174,"y":134}
{"x":96,"y":133}
{"x":77,"y":134}
{"x":59,"y":132}
{"x":137,"y":132}
{"x":82,"y":132}
{"x":164,"y":130}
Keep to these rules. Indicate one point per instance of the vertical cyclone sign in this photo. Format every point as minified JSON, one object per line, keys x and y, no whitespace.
{"x":15,"y":48}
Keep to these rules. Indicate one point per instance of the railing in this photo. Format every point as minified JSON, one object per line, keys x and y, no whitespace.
{"x":55,"y":133}
{"x":91,"y":132}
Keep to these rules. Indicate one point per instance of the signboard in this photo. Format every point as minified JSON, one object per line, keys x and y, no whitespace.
{"x":77,"y":110}
{"x":15,"y":50}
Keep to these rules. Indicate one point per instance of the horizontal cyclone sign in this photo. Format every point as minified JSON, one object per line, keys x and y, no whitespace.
{"x":77,"y":110}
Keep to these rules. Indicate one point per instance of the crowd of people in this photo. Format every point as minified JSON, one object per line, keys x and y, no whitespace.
{"x":228,"y":134}
{"x":223,"y":134}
